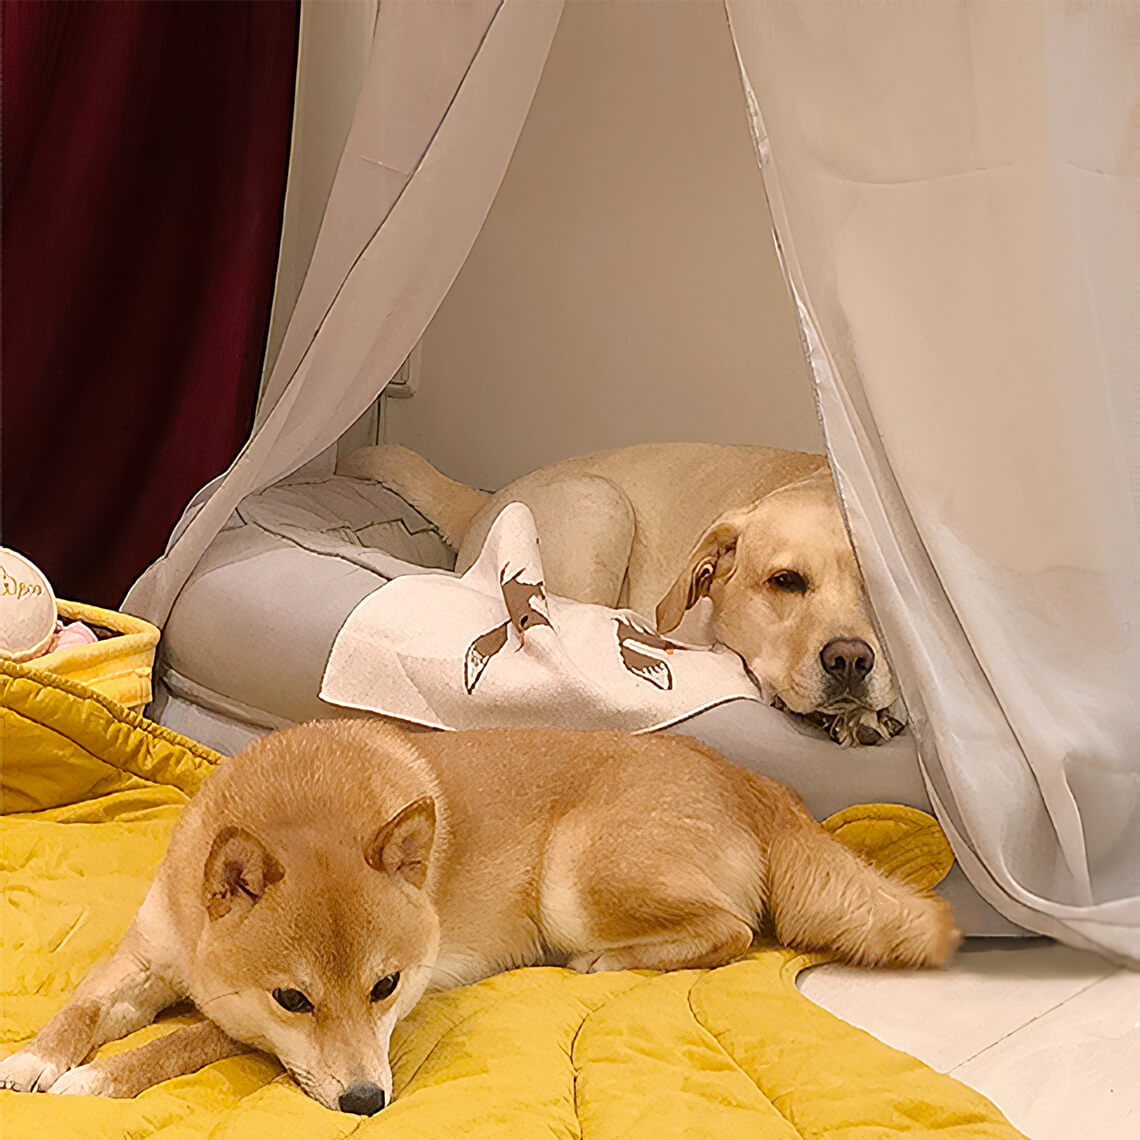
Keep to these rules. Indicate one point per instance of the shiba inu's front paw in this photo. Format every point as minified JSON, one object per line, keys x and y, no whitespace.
{"x":86,"y":1080}
{"x":27,"y":1071}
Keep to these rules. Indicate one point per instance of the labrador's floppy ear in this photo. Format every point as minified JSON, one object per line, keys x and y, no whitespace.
{"x":402,"y":846}
{"x":238,"y":871}
{"x":712,"y":558}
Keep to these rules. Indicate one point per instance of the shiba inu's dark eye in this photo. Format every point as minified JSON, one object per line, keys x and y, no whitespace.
{"x":789,"y":581}
{"x":385,"y":987}
{"x":293,"y":1000}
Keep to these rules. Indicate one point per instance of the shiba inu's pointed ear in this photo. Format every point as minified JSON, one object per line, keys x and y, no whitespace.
{"x":238,"y":871}
{"x":402,"y":846}
{"x":713,"y":558}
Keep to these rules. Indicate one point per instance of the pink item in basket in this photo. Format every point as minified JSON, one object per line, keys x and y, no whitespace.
{"x":71,"y":633}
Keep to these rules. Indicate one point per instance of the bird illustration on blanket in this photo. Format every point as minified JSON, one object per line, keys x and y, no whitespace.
{"x":631,"y":634}
{"x":526,"y":608}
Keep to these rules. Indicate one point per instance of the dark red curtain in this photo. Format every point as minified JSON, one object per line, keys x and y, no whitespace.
{"x":145,"y":148}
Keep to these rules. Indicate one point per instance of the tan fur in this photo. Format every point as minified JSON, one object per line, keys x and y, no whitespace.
{"x":136,"y":1070}
{"x":334,"y":854}
{"x":658,"y":527}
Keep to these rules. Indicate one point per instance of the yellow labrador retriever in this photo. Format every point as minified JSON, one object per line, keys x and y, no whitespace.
{"x":659,"y":527}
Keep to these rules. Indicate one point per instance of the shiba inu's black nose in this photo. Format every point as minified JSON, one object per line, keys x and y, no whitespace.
{"x":363,"y":1100}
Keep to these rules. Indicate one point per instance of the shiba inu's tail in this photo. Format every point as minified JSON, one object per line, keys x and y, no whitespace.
{"x":450,"y":505}
{"x":822,"y":896}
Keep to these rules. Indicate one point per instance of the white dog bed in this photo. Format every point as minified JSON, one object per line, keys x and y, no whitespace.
{"x":248,"y":640}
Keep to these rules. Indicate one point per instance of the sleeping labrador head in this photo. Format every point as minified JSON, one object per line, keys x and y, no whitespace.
{"x":788,"y":597}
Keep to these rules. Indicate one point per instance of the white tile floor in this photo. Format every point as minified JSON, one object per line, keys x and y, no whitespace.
{"x":1050,"y":1035}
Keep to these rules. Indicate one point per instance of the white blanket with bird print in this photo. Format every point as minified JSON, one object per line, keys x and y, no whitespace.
{"x":491,"y":648}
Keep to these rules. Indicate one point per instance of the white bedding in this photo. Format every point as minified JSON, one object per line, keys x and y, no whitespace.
{"x":491,"y":649}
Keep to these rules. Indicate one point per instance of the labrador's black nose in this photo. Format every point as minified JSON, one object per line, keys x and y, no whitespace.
{"x":847,"y":659}
{"x":363,"y":1100}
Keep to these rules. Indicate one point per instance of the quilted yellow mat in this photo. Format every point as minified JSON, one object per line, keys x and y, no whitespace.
{"x":90,"y":793}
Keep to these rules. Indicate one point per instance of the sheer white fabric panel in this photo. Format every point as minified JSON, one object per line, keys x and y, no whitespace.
{"x":333,"y":52}
{"x":955,"y":191}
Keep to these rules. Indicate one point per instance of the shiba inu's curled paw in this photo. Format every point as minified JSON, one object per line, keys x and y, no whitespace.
{"x":87,"y":1080}
{"x":27,"y":1071}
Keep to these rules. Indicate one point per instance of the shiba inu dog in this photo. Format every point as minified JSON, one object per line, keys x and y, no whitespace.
{"x":325,"y":878}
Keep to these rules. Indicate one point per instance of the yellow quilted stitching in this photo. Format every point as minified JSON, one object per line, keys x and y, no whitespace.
{"x":902,"y":840}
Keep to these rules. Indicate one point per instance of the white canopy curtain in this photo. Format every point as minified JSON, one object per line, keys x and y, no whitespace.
{"x":955,"y":189}
{"x":447,"y":92}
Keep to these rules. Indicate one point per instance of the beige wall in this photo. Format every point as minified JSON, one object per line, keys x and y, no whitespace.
{"x":624,"y":287}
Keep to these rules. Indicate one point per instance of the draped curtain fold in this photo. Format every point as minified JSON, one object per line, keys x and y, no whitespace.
{"x":955,"y":191}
